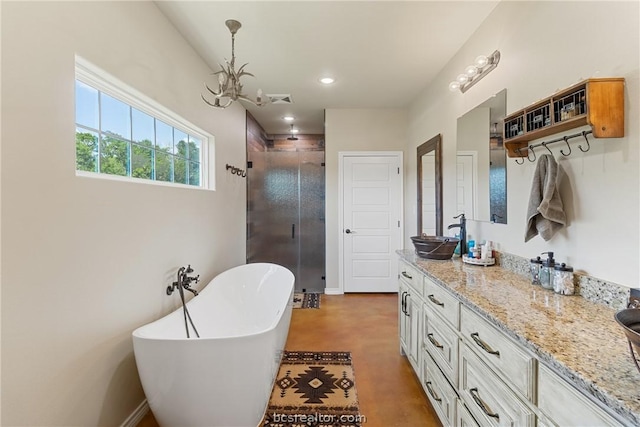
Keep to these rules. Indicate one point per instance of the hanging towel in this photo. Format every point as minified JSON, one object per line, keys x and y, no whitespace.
{"x":545,"y":215}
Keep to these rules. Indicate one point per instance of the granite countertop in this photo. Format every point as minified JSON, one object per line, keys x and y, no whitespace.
{"x":577,"y":338}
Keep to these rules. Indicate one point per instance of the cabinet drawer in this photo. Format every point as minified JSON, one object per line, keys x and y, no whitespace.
{"x":489,"y":399}
{"x":464,"y":417}
{"x":442,"y":396}
{"x":564,"y":405}
{"x":441,"y":301}
{"x":411,"y":276}
{"x":499,"y":351}
{"x":442,"y":342}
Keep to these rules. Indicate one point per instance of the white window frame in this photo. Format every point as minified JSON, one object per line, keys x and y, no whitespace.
{"x":88,"y":73}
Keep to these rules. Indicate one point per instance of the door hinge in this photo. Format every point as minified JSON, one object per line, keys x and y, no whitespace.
{"x":398,"y":224}
{"x":398,"y":171}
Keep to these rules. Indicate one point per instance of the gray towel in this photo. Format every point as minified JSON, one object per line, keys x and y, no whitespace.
{"x":545,"y":215}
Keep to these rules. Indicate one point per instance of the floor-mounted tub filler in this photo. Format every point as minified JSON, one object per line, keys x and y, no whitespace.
{"x":224,"y":377}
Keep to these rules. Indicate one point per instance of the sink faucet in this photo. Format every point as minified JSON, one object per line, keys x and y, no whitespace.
{"x":462,"y":225}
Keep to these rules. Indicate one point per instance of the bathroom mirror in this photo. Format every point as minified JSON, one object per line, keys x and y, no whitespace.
{"x":481,"y":167}
{"x":430,"y":187}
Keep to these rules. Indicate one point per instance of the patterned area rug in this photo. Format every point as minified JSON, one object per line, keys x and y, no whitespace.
{"x":314,"y":389}
{"x":306,"y":300}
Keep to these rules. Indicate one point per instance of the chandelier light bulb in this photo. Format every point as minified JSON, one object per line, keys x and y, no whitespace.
{"x":471,"y":70}
{"x":481,"y":61}
{"x":462,"y":78}
{"x":453,"y":86}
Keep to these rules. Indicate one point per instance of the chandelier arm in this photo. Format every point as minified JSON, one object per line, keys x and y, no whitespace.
{"x":213,"y":92}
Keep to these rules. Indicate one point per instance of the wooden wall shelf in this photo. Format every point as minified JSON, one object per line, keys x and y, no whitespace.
{"x":598,"y":103}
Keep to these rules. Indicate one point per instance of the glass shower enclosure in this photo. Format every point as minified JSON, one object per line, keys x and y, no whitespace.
{"x":285,"y":214}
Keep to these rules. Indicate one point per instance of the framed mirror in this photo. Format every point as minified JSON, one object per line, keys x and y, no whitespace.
{"x":430,"y":187}
{"x":481,"y":163}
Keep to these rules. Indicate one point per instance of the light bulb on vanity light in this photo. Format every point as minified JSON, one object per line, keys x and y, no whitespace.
{"x":481,"y":61}
{"x":453,"y":86}
{"x":462,"y":78}
{"x":471,"y":70}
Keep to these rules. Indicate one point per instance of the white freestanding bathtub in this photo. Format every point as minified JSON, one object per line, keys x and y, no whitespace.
{"x":225,"y":377}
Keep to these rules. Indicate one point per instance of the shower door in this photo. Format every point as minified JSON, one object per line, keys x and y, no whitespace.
{"x":285,"y":213}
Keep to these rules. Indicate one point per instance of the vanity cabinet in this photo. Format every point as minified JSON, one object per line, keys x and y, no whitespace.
{"x":475,"y":374}
{"x":598,"y":103}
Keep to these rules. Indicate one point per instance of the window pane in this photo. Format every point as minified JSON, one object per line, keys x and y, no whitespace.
{"x":116,"y":117}
{"x":180,"y":140}
{"x":114,"y":156}
{"x":141,"y":162}
{"x":180,"y":170}
{"x":194,"y":148}
{"x":142,"y":127}
{"x":163,"y":166}
{"x":86,"y":150}
{"x":164,"y":136}
{"x":194,"y":173}
{"x":86,"y":105}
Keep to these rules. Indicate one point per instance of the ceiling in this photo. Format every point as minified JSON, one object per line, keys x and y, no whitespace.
{"x":381,"y":54}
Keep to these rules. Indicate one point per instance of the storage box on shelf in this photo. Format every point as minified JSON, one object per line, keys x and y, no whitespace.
{"x":598,"y":103}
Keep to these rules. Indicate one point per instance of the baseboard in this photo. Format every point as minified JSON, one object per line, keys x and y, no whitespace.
{"x":333,"y":291}
{"x":136,"y":416}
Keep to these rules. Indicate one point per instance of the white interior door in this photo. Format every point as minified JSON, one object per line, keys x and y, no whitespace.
{"x":371,"y":215}
{"x":465,"y":182}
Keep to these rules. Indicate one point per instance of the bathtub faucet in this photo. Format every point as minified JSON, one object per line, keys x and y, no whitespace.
{"x":184,"y":281}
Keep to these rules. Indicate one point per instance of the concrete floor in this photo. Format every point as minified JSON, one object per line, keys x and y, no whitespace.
{"x":366,"y":325}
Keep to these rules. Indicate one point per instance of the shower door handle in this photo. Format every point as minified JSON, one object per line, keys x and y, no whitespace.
{"x":293,"y":231}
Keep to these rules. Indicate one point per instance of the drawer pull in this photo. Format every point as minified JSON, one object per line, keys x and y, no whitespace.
{"x":431,"y":392}
{"x":435,"y":301}
{"x":483,"y":345}
{"x":482,"y":405}
{"x":434,"y":342}
{"x":404,"y":273}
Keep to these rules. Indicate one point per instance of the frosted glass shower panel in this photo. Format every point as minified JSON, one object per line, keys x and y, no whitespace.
{"x":312,"y":221}
{"x":273,"y":209}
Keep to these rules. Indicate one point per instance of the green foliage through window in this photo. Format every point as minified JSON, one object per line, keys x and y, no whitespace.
{"x":172,"y":155}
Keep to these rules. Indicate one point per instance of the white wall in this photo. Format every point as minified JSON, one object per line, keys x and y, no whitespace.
{"x":547,"y":46}
{"x":86,"y":261}
{"x":354,"y":130}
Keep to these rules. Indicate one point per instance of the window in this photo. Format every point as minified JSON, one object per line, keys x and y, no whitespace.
{"x":122,"y":133}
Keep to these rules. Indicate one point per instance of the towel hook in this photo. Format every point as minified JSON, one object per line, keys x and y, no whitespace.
{"x":534,"y":154}
{"x":521,"y":156}
{"x":566,"y":139}
{"x":544,"y":144}
{"x":584,"y":133}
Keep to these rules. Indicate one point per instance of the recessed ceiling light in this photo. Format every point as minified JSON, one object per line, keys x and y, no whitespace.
{"x":327,"y":80}
{"x":295,"y":130}
{"x":288,"y":118}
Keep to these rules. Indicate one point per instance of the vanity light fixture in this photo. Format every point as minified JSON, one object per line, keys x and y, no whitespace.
{"x":229,"y":86}
{"x":473,"y":73}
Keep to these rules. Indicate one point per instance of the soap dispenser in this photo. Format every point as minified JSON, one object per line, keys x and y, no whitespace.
{"x":546,"y":271}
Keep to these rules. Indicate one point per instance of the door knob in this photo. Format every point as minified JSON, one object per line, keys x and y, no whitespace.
{"x":348,"y":231}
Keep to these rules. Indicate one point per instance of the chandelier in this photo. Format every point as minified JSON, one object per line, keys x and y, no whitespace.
{"x":229,"y":86}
